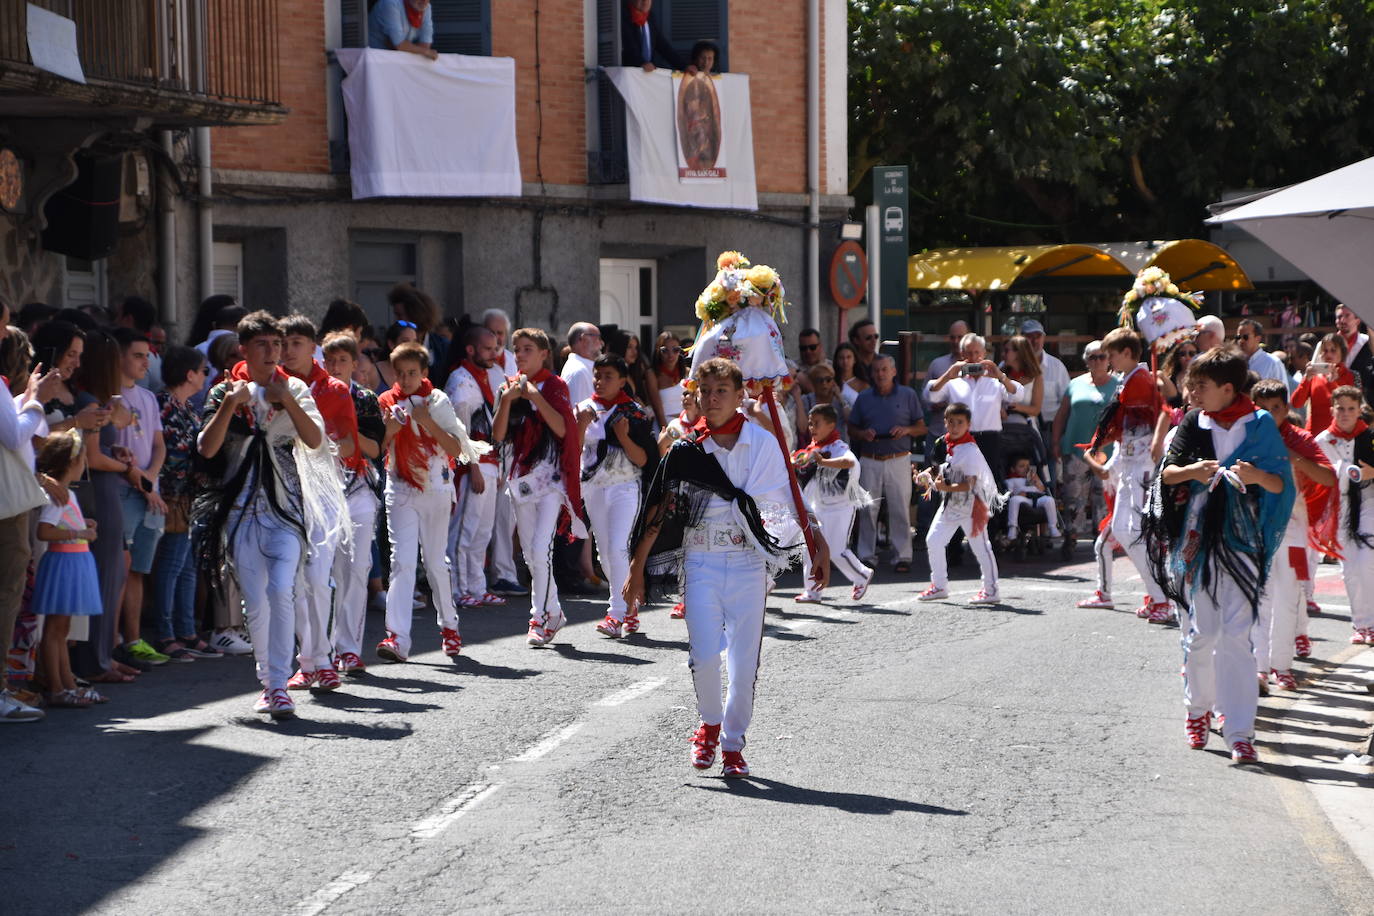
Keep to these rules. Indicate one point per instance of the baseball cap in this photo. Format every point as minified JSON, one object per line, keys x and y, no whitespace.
{"x":1031,"y":326}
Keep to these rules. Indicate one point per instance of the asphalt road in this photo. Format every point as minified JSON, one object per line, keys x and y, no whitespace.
{"x":907,"y":757}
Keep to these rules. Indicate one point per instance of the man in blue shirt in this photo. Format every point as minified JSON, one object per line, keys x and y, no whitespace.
{"x":881,"y":425}
{"x":402,"y":25}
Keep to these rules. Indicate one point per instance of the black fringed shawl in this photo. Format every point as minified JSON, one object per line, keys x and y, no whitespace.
{"x":1364,"y":451}
{"x":641,"y":433}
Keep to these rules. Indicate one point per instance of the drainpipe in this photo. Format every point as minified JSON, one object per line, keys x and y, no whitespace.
{"x":813,"y":161}
{"x":166,"y":237}
{"x":205,"y":216}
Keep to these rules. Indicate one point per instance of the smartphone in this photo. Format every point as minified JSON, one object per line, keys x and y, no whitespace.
{"x":45,"y":357}
{"x":146,"y":484}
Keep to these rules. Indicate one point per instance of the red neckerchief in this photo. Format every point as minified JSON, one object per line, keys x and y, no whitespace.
{"x":1238,"y":408}
{"x":539,"y":378}
{"x":965,"y":439}
{"x":1361,"y":427}
{"x":570,"y":450}
{"x":415,"y":17}
{"x":1351,"y":341}
{"x":1322,"y":514}
{"x":414,"y":446}
{"x":816,"y":446}
{"x":731,"y":427}
{"x":334,"y":400}
{"x":638,"y":16}
{"x":674,"y":374}
{"x":483,"y":380}
{"x":621,"y":398}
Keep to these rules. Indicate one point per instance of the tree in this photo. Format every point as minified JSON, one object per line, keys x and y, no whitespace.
{"x":1070,"y":120}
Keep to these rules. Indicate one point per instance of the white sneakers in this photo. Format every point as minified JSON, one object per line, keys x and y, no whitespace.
{"x":11,"y":710}
{"x":231,"y":642}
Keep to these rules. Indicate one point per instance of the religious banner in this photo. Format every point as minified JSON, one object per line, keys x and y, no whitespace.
{"x":690,"y":139}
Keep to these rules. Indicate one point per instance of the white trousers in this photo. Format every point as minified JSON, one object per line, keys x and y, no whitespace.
{"x":350,"y":574}
{"x":1282,"y":610}
{"x":724,"y":593}
{"x":942,"y":530}
{"x":1357,"y":569}
{"x":612,"y":513}
{"x":470,"y":531}
{"x":537,"y":521}
{"x":889,"y":482}
{"x":1126,"y":527}
{"x":836,"y":522}
{"x":1309,"y":585}
{"x":1044,"y":502}
{"x":1218,"y":659}
{"x":417,"y":522}
{"x":503,"y":538}
{"x":312,"y":611}
{"x":1105,"y":554}
{"x":265,"y":557}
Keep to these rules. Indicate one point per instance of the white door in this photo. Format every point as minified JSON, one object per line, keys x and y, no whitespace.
{"x":228,"y":270}
{"x":629,"y":297}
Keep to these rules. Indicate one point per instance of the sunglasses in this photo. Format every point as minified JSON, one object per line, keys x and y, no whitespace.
{"x":1097,"y":356}
{"x":809,"y":347}
{"x":408,"y":324}
{"x":670,"y":349}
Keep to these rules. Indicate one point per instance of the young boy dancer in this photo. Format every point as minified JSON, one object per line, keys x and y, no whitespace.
{"x":335,"y":404}
{"x":960,"y":472}
{"x":617,"y":441}
{"x":1283,"y":612}
{"x":277,"y":486}
{"x":1104,"y":547}
{"x":1027,"y":490}
{"x":422,"y":435}
{"x":1349,"y":446}
{"x":362,"y":488}
{"x":534,"y":417}
{"x":472,"y":388}
{"x":1129,"y":422}
{"x":1215,"y":522}
{"x":704,"y":516}
{"x":829,"y":475}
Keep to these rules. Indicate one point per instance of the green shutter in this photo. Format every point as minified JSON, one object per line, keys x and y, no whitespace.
{"x":685,"y":22}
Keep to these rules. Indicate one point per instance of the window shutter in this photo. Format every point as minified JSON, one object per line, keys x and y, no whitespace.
{"x":353,"y":21}
{"x":462,"y":26}
{"x":685,"y":22}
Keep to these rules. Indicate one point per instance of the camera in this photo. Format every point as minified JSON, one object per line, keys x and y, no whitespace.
{"x":974,"y":369}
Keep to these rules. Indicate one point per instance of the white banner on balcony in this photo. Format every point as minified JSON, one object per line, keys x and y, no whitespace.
{"x":690,"y":140}
{"x":423,"y":128}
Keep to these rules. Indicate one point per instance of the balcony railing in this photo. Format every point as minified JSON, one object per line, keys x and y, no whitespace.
{"x":219,"y":50}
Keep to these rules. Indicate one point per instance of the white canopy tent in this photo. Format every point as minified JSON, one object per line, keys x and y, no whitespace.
{"x":1324,"y":226}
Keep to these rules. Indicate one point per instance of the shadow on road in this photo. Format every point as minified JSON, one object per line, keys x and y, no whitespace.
{"x":849,"y":802}
{"x":582,"y":655}
{"x":466,"y":664}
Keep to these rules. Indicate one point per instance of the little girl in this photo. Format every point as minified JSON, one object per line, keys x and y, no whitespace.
{"x":66,"y":584}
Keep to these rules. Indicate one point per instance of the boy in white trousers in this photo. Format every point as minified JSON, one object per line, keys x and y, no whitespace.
{"x":1350,"y":449}
{"x":362,"y":487}
{"x":961,"y":473}
{"x":472,"y":388}
{"x":422,"y":434}
{"x":829,"y":473}
{"x":704,"y":518}
{"x":617,"y":442}
{"x":1026,"y":490}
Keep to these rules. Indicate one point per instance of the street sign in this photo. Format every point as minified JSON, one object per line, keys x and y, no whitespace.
{"x":890,"y":184}
{"x":848,"y":275}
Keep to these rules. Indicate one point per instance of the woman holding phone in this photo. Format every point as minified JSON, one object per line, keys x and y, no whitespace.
{"x":59,"y":344}
{"x":1321,"y":377}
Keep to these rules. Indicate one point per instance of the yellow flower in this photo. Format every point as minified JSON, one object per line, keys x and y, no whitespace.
{"x":1171,"y":289}
{"x":732,"y":297}
{"x":731,"y":259}
{"x":701,"y":309}
{"x":762,"y":277}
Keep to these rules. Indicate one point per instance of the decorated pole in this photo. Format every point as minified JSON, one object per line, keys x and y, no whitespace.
{"x":737,"y":311}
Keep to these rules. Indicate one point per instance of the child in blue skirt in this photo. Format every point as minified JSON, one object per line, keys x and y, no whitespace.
{"x":66,"y":584}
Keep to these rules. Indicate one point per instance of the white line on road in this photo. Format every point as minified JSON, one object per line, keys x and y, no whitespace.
{"x":636,"y":689}
{"x":451,"y":810}
{"x":548,"y":743}
{"x":319,"y":901}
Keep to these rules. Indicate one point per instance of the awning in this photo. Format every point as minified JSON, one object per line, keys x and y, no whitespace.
{"x":1193,"y":263}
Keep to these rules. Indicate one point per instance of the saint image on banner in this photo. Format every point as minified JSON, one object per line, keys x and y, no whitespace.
{"x":700,"y":146}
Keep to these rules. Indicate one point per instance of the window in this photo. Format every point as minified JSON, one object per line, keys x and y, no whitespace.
{"x":378,"y":264}
{"x":460,"y":26}
{"x":228,"y":270}
{"x":685,"y":22}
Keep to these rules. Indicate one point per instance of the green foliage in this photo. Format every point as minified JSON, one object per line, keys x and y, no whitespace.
{"x":1065,"y":120}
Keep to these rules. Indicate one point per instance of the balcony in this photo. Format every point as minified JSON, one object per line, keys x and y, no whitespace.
{"x":168,"y":63}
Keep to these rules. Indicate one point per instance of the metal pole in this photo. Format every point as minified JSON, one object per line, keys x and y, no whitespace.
{"x":166,"y":236}
{"x":813,"y":163}
{"x":874,"y":249}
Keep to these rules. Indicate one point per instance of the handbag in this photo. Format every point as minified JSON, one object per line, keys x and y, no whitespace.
{"x":20,"y":491}
{"x":178,"y":519}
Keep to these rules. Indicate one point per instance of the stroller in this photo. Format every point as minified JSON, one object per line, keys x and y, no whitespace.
{"x":1033,"y":529}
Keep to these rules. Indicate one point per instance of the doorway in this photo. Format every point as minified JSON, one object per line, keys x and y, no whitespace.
{"x":629,"y":297}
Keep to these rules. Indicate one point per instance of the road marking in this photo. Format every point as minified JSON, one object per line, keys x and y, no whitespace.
{"x":548,"y":743}
{"x":460,"y":804}
{"x":636,"y":689}
{"x":319,"y":901}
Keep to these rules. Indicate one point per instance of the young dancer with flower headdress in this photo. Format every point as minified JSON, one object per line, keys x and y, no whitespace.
{"x":423,"y":438}
{"x":534,"y":419}
{"x":1349,"y":445}
{"x":1215,"y":520}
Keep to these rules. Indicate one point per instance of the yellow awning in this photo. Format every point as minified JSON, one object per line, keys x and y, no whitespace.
{"x":1193,"y":263}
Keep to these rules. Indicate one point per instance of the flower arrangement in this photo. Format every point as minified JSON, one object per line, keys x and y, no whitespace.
{"x":1154,"y":282}
{"x":739,"y":283}
{"x":1158,"y":309}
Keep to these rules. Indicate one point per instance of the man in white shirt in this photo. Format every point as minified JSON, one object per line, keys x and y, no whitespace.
{"x":1249,"y":334}
{"x":977,"y":382}
{"x":935,"y":419}
{"x":498,"y":322}
{"x":585,"y":340}
{"x":1359,"y":358}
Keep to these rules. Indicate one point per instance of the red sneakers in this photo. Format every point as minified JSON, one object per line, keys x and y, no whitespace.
{"x":303,"y":680}
{"x":280,"y":704}
{"x":1302,"y":646}
{"x":1364,"y":636}
{"x":679,"y":611}
{"x":1285,"y":679}
{"x":1161,"y":613}
{"x":348,"y":663}
{"x":453,"y":643}
{"x":609,"y":627}
{"x":390,"y":649}
{"x":1243,"y":751}
{"x":327,"y":679}
{"x":1197,"y":731}
{"x":1313,"y":609}
{"x":704,"y":742}
{"x":1143,"y":612}
{"x":631,"y":620}
{"x":491,"y":598}
{"x":264,"y":703}
{"x":735,"y":766}
{"x":1098,"y":600}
